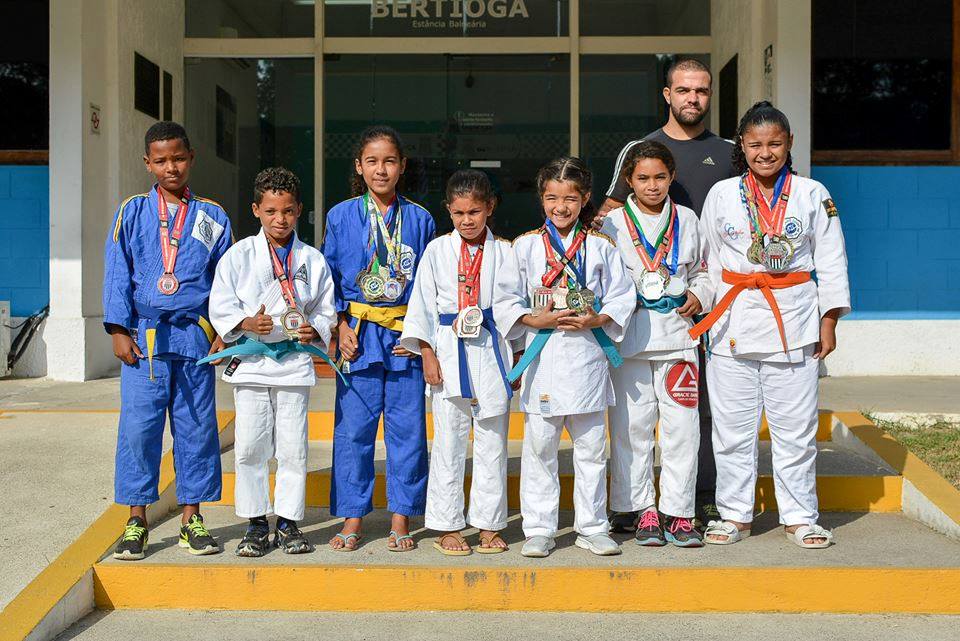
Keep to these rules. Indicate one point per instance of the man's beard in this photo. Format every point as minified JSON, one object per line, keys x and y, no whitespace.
{"x":688,"y":117}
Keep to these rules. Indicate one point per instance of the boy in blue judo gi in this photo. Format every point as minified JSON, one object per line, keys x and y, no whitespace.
{"x":159,"y":262}
{"x":373,"y":244}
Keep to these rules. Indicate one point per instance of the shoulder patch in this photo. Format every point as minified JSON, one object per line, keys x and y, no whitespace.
{"x":532,"y":231}
{"x":598,"y":234}
{"x":830,"y":208}
{"x":123,"y":205}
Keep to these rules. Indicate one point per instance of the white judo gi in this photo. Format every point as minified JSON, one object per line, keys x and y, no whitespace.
{"x":271,"y":397}
{"x":749,"y":370}
{"x":568,"y":385}
{"x":658,"y":378}
{"x":435,"y":293}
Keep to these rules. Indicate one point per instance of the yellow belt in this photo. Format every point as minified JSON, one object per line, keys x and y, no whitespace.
{"x":151,"y":339}
{"x":388,"y":317}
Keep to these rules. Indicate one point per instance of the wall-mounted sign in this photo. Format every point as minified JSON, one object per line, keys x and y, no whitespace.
{"x":94,"y":119}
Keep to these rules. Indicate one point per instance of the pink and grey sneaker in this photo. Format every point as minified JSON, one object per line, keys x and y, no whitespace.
{"x":649,"y":531}
{"x":682,"y":533}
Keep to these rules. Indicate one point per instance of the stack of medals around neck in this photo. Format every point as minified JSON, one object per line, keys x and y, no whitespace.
{"x":570,"y":291}
{"x":655,"y":281}
{"x":293,"y":319}
{"x":383,"y":280}
{"x":470,"y":316}
{"x":170,"y":241}
{"x":769,"y":246}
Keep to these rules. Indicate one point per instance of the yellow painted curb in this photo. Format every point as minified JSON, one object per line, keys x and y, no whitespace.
{"x":320,"y":427}
{"x":572,"y":589}
{"x":836,"y":493}
{"x":934,"y":487}
{"x":35,"y":601}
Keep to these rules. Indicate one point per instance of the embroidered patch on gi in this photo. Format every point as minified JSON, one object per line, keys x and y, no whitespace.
{"x":301,"y":274}
{"x":681,"y":384}
{"x":732,"y":232}
{"x":831,"y":208}
{"x":206,"y":230}
{"x":792,"y":228}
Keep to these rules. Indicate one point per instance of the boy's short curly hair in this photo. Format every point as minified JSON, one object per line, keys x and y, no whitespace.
{"x":278,"y":179}
{"x":165,"y":130}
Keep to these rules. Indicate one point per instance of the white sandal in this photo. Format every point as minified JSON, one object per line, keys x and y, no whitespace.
{"x":724,"y":528}
{"x":805,"y":532}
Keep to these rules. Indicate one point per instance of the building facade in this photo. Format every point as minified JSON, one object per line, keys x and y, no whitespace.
{"x":503,"y":85}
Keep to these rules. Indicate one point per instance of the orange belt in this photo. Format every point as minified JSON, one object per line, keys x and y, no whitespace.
{"x":765,"y":282}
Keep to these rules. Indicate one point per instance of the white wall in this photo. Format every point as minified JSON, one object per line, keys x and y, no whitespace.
{"x":896,"y":348}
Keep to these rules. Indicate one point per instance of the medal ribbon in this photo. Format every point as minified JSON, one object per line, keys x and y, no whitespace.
{"x":468,"y":276}
{"x":170,"y":241}
{"x":765,"y":221}
{"x":282,"y":273}
{"x":384,"y":238}
{"x":561,"y":260}
{"x":650,"y":257}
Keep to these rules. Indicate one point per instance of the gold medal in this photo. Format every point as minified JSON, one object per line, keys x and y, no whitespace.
{"x":291,"y":321}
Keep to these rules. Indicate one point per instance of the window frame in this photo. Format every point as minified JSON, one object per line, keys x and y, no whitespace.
{"x":905,"y":156}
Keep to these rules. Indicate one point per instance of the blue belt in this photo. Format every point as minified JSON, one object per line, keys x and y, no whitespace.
{"x":446,"y":320}
{"x":663,"y":304}
{"x":178,"y":317}
{"x":276,"y":351}
{"x":540,"y":341}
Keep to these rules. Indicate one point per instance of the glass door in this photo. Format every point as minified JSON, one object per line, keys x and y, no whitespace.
{"x":503,"y":114}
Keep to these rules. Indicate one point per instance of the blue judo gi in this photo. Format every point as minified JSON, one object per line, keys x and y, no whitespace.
{"x":180,"y":334}
{"x":380,"y":383}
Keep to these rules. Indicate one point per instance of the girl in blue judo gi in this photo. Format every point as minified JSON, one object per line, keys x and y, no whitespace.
{"x":373,"y":244}
{"x":159,"y":261}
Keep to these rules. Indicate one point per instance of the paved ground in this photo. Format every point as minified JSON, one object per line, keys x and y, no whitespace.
{"x":467,"y":626}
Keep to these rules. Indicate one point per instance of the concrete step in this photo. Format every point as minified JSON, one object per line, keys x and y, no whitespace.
{"x":881,"y":563}
{"x":170,"y":625}
{"x":848,"y":480}
{"x":321,"y":426}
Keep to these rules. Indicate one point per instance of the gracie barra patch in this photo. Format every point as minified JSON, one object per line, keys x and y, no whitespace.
{"x":681,"y":384}
{"x":792,"y":228}
{"x":831,"y":208}
{"x":206,"y":230}
{"x":301,"y":274}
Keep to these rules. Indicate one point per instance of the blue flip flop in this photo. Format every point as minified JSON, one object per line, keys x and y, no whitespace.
{"x":346,"y":538}
{"x":396,"y":542}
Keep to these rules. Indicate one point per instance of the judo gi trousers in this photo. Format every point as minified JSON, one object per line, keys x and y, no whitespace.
{"x":740,"y":389}
{"x":642,"y":398}
{"x":399,"y":396}
{"x":185,"y":392}
{"x":271,"y":422}
{"x":539,"y":473}
{"x":452,"y":420}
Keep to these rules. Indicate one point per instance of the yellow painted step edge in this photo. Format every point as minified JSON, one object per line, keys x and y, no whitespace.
{"x":320,"y":427}
{"x":39,"y":597}
{"x":836,"y":493}
{"x":601,"y":589}
{"x":934,"y":487}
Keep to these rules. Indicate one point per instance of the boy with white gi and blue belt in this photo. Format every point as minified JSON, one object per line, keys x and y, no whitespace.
{"x":159,"y":262}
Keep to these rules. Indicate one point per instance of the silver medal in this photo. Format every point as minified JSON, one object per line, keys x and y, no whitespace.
{"x":777,"y":253}
{"x":652,"y":285}
{"x":291,"y":321}
{"x":392,"y":289}
{"x":560,"y":297}
{"x":469,"y":321}
{"x":541,"y":296}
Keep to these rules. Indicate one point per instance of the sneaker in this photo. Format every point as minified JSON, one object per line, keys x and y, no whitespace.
{"x":538,"y":546}
{"x":133,"y":543}
{"x":599,"y":544}
{"x":706,"y":511}
{"x":649,"y":531}
{"x":290,"y":539}
{"x":195,"y":537}
{"x":680,"y":532}
{"x":255,"y":540}
{"x":623,"y":522}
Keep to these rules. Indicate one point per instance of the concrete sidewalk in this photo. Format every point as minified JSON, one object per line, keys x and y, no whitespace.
{"x":889,"y":394}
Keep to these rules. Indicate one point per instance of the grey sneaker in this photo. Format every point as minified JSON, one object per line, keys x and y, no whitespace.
{"x":599,"y":544}
{"x":538,"y":546}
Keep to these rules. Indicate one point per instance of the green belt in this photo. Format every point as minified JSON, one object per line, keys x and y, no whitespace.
{"x":277,"y":351}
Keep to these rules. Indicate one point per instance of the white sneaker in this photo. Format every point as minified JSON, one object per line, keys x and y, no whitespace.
{"x":538,"y":546}
{"x":599,"y":544}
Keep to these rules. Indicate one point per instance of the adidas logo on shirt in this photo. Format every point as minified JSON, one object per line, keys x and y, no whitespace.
{"x":709,"y":161}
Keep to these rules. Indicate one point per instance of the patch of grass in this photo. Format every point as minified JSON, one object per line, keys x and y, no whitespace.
{"x":938,"y":445}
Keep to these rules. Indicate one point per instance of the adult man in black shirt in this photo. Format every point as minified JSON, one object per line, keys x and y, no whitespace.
{"x":703,"y":159}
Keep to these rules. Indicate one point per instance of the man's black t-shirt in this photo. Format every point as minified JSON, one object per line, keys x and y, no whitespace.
{"x":702,"y":162}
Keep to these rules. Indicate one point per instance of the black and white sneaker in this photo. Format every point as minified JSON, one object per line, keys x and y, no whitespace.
{"x":255,"y":540}
{"x":290,"y":539}
{"x":624,"y":522}
{"x":195,"y":537}
{"x":133,"y":544}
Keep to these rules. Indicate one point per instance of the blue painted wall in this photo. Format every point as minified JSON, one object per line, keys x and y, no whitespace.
{"x":25,"y":237}
{"x":902,"y":228}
